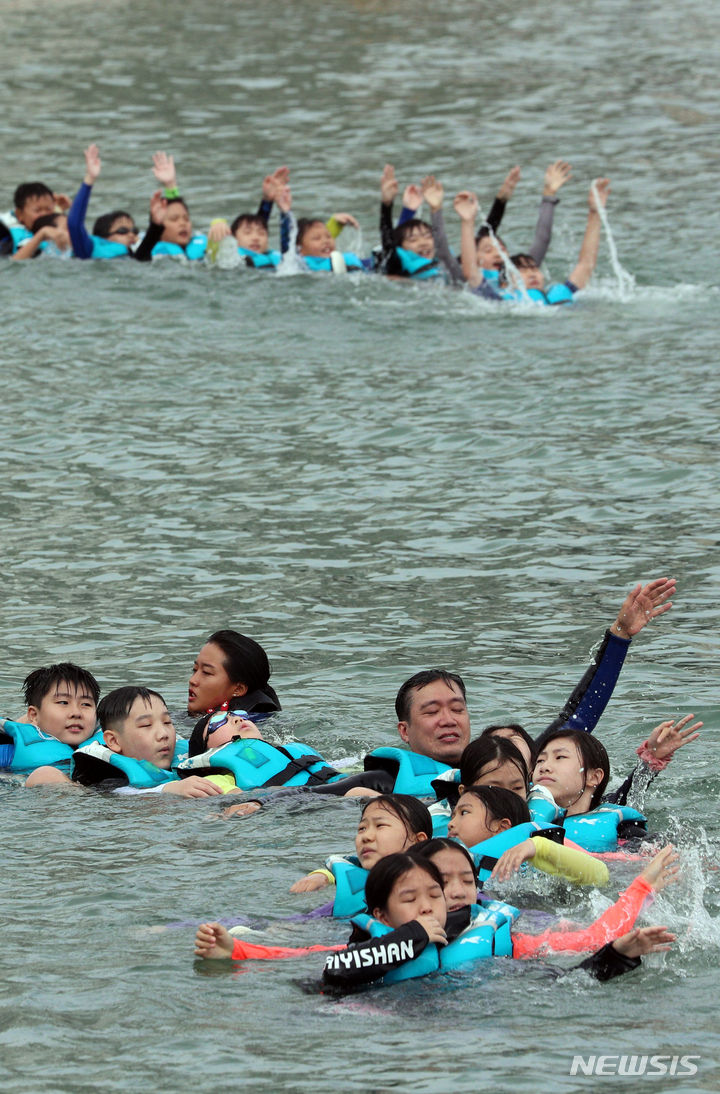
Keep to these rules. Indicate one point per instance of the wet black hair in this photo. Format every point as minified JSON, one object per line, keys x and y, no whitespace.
{"x":403,"y":699}
{"x":501,"y":804}
{"x":402,"y":231}
{"x":27,"y":190}
{"x":524,"y":261}
{"x":414,"y":815}
{"x":518,"y":730}
{"x":48,"y":220}
{"x":245,"y":661}
{"x":38,"y":683}
{"x":484,"y":231}
{"x":249,"y":218}
{"x":178,"y":201}
{"x":385,"y":873}
{"x":592,"y":754}
{"x":114,"y":707}
{"x":484,"y":750}
{"x":304,"y":225}
{"x":103,"y":225}
{"x":431,"y":847}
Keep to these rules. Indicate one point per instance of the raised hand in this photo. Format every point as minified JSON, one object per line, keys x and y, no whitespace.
{"x":510,"y":181}
{"x":412,"y":197}
{"x":643,"y":603}
{"x":92,"y":164}
{"x":274,"y":183}
{"x":465,"y":204}
{"x":663,"y":870}
{"x":668,"y":737}
{"x":433,"y":192}
{"x":164,"y":170}
{"x":388,"y":185}
{"x":603,"y":189}
{"x":556,"y":175}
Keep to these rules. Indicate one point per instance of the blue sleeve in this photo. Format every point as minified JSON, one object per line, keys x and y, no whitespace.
{"x":265,"y":209}
{"x":406,"y":214}
{"x":285,"y":232}
{"x":81,"y":242}
{"x":588,"y":700}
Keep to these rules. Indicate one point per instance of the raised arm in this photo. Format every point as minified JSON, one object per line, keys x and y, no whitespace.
{"x":556,"y":175}
{"x":506,"y":191}
{"x":465,"y":205}
{"x":434,"y":193}
{"x":79,"y":236}
{"x":587,"y":259}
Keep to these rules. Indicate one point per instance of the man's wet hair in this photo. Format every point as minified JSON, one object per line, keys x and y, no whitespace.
{"x":421,"y":679}
{"x":41,"y":682}
{"x":114,"y":708}
{"x":27,"y":190}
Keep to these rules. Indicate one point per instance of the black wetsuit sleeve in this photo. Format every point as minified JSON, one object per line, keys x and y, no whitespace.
{"x":637,"y":781}
{"x":589,"y":698}
{"x":388,"y":263}
{"x":497,"y":210}
{"x":380,"y":780}
{"x":607,"y":963}
{"x":363,"y":962}
{"x":143,"y":252}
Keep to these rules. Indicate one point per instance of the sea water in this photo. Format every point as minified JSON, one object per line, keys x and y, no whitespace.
{"x":369,"y":478}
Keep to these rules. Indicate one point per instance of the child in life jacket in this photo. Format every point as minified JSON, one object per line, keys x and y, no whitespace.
{"x":388,"y":823}
{"x":61,"y":715}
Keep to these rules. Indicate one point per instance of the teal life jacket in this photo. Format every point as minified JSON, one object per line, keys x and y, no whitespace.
{"x":558,"y":293}
{"x":193,"y":250}
{"x":350,"y":878}
{"x":95,"y":762}
{"x":413,"y":772}
{"x":259,"y":259}
{"x":29,"y":748}
{"x":543,"y":808}
{"x":254,"y":763}
{"x":417,"y":266}
{"x":487,"y":935}
{"x":107,"y":248}
{"x":325,"y":265}
{"x":598,"y":830}
{"x":487,"y":853}
{"x":20,"y":234}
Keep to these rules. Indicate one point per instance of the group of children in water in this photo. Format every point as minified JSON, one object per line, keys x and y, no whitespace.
{"x":414,"y":890}
{"x":43,"y":222}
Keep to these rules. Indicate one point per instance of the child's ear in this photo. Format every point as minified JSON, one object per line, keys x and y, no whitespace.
{"x":500,"y":824}
{"x":420,"y":837}
{"x":594,"y":776}
{"x":32,"y":715}
{"x":380,"y":915}
{"x":461,"y":789}
{"x":112,"y":740}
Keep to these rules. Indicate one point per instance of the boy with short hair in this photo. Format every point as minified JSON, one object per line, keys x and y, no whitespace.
{"x":139,"y":749}
{"x":61,"y":704}
{"x":31,"y":200}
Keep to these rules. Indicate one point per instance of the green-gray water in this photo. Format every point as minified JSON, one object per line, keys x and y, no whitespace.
{"x":369,"y":478}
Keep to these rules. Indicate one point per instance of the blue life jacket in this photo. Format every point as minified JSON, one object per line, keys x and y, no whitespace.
{"x":107,"y":248}
{"x":258,"y":259}
{"x":487,"y":853}
{"x":555,"y":294}
{"x":350,"y":880}
{"x":30,"y":748}
{"x":417,"y":266}
{"x":193,"y":250}
{"x":20,"y":234}
{"x":487,"y":935}
{"x":543,"y":808}
{"x":254,"y":763}
{"x":95,"y":762}
{"x":598,"y":830}
{"x":413,"y":772}
{"x":324,"y":265}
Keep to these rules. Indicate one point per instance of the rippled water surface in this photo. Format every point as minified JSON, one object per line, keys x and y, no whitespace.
{"x":370,"y":478}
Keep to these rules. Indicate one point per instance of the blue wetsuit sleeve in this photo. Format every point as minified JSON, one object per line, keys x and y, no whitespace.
{"x":285,"y":232}
{"x":79,"y":237}
{"x":265,"y":209}
{"x":590,"y":697}
{"x":406,"y":214}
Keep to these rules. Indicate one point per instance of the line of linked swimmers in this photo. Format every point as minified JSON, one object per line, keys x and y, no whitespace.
{"x":513,"y":802}
{"x":43,"y":222}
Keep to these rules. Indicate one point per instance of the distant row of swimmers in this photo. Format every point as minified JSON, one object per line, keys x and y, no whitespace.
{"x":45,"y":222}
{"x":481,"y":790}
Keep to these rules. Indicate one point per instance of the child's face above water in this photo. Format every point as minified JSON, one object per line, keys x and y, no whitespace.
{"x":224,"y":727}
{"x":380,"y":833}
{"x":317,"y":241}
{"x":67,"y":713}
{"x":253,"y":237}
{"x":178,"y":226}
{"x":459,"y":884}
{"x":415,"y":893}
{"x":470,"y":821}
{"x":420,"y":241}
{"x":147,"y":733}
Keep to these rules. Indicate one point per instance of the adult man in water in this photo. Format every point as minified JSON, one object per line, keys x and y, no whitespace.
{"x":434,"y":722}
